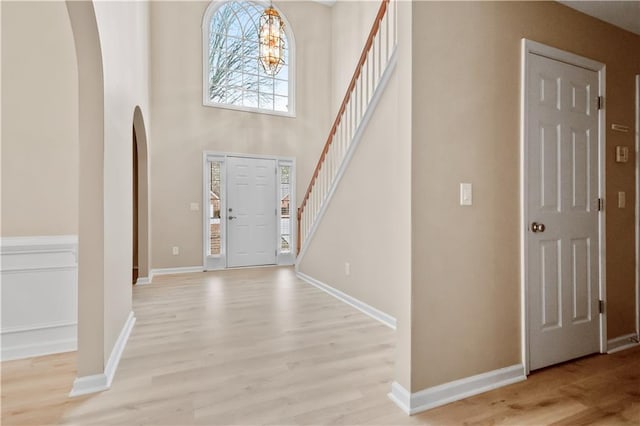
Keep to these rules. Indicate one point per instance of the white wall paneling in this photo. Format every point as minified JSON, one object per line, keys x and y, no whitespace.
{"x":39,"y":294}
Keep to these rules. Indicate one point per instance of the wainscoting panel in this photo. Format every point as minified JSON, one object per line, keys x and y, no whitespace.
{"x":39,"y":290}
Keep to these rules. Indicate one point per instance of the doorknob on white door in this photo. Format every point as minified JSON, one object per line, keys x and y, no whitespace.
{"x":537,"y":227}
{"x":231,"y":217}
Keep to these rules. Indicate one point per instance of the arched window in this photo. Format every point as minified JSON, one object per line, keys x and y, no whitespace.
{"x":233,"y":76}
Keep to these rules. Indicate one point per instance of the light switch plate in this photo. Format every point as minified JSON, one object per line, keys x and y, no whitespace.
{"x":195,"y":207}
{"x":466,"y":194}
{"x":622,"y":200}
{"x":622,"y":154}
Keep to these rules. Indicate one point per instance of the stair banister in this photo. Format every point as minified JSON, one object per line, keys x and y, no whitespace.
{"x":349,"y":114}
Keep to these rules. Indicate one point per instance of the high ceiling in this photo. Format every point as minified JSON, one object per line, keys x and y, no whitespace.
{"x":623,"y":14}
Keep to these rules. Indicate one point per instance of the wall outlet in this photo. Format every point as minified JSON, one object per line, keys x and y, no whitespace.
{"x":466,"y":194}
{"x":347,"y":269}
{"x":622,"y":200}
{"x":176,"y":250}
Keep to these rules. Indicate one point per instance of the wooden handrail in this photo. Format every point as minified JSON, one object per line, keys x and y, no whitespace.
{"x":352,"y":84}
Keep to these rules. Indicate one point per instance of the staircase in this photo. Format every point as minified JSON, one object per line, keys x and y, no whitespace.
{"x":370,"y":77}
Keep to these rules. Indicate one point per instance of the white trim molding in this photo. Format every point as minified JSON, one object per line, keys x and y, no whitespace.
{"x":38,"y":341}
{"x":178,"y":270}
{"x":89,"y":384}
{"x":118,"y":348}
{"x":47,"y":243}
{"x":621,"y":343}
{"x":638,"y":205}
{"x":101,"y":382}
{"x":413,"y":403}
{"x":329,"y":3}
{"x":143,"y":281}
{"x":39,"y":295}
{"x":366,"y":309}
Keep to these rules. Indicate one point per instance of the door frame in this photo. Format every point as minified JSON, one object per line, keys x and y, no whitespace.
{"x":638,"y":206}
{"x":282,"y":258}
{"x":531,"y":47}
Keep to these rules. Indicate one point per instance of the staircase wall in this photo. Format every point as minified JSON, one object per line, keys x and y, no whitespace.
{"x":361,"y":225}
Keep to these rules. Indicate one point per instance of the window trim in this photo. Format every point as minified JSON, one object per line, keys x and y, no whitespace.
{"x":212,"y":8}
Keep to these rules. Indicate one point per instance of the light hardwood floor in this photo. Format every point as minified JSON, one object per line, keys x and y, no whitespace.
{"x":259,"y":346}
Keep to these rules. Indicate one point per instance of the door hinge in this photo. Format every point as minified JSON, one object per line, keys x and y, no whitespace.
{"x":601,"y":306}
{"x":600,"y":102}
{"x":600,"y":204}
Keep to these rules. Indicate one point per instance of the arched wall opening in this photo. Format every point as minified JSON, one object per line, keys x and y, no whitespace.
{"x":141,"y":247}
{"x":112,"y":82}
{"x":91,"y":188}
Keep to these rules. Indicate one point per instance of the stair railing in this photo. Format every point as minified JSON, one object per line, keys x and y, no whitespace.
{"x":375,"y":57}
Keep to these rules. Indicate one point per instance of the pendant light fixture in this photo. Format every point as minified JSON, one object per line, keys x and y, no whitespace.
{"x":271,"y":41}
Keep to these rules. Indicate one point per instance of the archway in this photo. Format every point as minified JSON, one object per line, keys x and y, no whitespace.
{"x":91,"y":194}
{"x":141,"y":251}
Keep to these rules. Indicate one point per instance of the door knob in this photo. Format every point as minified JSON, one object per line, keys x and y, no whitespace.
{"x":231,"y":217}
{"x":537,"y":227}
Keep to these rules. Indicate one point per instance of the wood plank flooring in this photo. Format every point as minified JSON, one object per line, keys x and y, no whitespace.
{"x":259,"y":346}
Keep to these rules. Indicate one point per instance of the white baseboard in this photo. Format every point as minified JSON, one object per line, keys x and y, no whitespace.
{"x":89,"y":384}
{"x":39,"y":341}
{"x":374,"y":313}
{"x":456,"y":390}
{"x":118,"y":348}
{"x":39,"y":295}
{"x":621,"y":343}
{"x":179,"y":270}
{"x":401,"y":397}
{"x":102,"y":382}
{"x":143,"y":281}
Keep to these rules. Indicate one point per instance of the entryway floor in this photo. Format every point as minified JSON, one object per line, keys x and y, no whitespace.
{"x":259,"y":346}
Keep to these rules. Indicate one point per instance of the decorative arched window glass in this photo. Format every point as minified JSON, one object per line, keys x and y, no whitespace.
{"x":233,"y":75}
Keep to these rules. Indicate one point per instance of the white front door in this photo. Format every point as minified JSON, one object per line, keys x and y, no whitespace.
{"x":251,"y":211}
{"x":562,"y":210}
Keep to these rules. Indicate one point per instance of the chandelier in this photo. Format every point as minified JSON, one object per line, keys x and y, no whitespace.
{"x":271,"y":41}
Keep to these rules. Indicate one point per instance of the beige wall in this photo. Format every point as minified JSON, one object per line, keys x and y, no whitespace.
{"x":40,"y":142}
{"x":183,"y":128}
{"x":350,"y":26}
{"x":40,"y":121}
{"x":368,"y":221}
{"x":124,"y":36}
{"x":466,"y":129}
{"x":361,"y":225}
{"x":90,"y":189}
{"x":403,"y":141}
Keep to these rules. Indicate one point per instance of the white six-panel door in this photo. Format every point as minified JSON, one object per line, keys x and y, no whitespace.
{"x":562,"y":211}
{"x":251,"y":211}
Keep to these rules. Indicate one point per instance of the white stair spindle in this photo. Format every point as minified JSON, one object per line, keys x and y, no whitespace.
{"x":381,"y":45}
